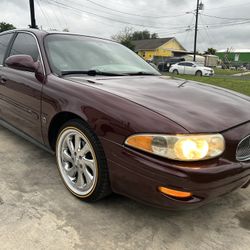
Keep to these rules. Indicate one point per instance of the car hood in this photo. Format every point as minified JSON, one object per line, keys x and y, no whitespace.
{"x":199,"y":108}
{"x":206,"y":68}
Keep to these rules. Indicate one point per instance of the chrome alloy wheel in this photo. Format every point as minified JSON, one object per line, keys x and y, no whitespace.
{"x":77,"y":162}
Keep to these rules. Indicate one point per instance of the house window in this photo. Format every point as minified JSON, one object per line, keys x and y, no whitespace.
{"x":236,"y":57}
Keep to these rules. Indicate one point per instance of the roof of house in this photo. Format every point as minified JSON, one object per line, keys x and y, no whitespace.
{"x":150,"y":44}
{"x":234,"y":51}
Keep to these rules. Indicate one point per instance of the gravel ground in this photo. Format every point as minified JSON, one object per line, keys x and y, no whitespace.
{"x":37,"y":212}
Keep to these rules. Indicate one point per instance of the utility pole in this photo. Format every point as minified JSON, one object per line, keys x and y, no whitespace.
{"x":200,"y":6}
{"x":196,"y":29}
{"x":32,"y":15}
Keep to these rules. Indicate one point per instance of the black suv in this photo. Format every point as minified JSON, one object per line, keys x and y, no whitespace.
{"x":165,"y":66}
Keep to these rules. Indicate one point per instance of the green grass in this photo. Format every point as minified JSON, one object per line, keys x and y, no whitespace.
{"x":236,"y":84}
{"x":227,"y":71}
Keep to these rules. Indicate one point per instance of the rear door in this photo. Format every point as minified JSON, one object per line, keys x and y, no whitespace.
{"x":22,"y":90}
{"x":181,"y":68}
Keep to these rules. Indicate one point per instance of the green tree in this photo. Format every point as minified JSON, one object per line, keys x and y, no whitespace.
{"x":127,"y":35}
{"x":154,"y":36}
{"x":144,"y":34}
{"x":140,"y":35}
{"x":128,"y":44}
{"x":125,"y":38}
{"x":211,"y":51}
{"x":6,"y":26}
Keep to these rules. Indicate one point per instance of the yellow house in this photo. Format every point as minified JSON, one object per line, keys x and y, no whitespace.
{"x":163,"y":47}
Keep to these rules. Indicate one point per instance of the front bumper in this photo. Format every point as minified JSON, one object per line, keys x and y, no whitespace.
{"x":138,"y":175}
{"x":208,"y":74}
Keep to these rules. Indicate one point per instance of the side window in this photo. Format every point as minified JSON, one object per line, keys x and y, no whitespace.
{"x":182,"y":64}
{"x":189,"y":64}
{"x":25,"y":44}
{"x":4,"y":42}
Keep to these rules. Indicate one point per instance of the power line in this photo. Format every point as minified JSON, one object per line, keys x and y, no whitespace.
{"x":226,"y":18}
{"x":175,"y":33}
{"x":201,"y":45}
{"x":43,"y":13}
{"x":229,"y":6}
{"x":117,"y":14}
{"x":77,"y":12}
{"x":189,"y":30}
{"x":206,"y":32}
{"x":55,"y":14}
{"x":64,"y":19}
{"x":226,"y":24}
{"x":130,"y":14}
{"x":169,"y":29}
{"x":183,"y":30}
{"x":214,"y":37}
{"x":221,"y":24}
{"x":54,"y":2}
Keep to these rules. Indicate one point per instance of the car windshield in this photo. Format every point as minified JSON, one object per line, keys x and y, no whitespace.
{"x":75,"y":53}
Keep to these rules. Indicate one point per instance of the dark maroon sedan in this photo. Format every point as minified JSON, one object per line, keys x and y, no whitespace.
{"x":115,"y":124}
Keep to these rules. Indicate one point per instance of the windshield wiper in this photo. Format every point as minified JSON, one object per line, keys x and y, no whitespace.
{"x":90,"y":73}
{"x":141,"y":73}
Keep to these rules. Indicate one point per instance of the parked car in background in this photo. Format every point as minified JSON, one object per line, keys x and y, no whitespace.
{"x":165,"y":66}
{"x":191,"y":68}
{"x":116,"y":124}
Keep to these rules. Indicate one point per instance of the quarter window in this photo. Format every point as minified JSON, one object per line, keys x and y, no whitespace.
{"x":4,"y":42}
{"x":25,"y":44}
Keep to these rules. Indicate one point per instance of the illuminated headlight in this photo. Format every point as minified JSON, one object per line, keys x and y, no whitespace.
{"x":179,"y":147}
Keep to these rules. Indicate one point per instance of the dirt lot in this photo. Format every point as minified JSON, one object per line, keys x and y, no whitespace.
{"x":37,"y":212}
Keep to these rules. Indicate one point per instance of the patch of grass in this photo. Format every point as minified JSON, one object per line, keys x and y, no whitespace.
{"x":227,"y":71}
{"x":236,"y":84}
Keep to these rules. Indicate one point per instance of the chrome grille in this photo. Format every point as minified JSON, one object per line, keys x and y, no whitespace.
{"x":243,"y":150}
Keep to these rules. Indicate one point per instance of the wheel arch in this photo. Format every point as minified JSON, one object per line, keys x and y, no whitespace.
{"x":199,"y":70}
{"x":56,"y":123}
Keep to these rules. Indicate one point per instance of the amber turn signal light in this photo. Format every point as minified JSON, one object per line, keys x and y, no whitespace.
{"x":175,"y":193}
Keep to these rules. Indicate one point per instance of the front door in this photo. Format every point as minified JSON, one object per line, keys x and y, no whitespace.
{"x":189,"y":69}
{"x":22,"y":90}
{"x":181,"y":68}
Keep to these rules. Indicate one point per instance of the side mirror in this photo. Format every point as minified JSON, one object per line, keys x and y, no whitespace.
{"x":22,"y":62}
{"x":194,"y":66}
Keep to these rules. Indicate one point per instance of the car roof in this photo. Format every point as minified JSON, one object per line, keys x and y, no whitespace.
{"x":187,"y":62}
{"x":35,"y":31}
{"x":46,"y":32}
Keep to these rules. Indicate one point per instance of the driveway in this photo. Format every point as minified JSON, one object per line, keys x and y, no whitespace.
{"x":37,"y":212}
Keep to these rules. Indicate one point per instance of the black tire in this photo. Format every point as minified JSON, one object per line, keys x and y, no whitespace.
{"x":102,"y":187}
{"x":176,"y":72}
{"x":198,"y":73}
